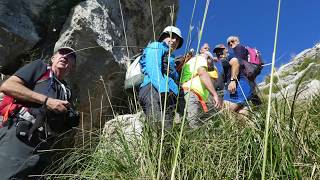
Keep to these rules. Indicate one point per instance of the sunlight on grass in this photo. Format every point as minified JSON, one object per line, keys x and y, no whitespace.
{"x":224,"y":148}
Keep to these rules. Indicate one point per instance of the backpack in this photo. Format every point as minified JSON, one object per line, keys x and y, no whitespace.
{"x":134,"y":75}
{"x":8,"y":105}
{"x":252,"y":67}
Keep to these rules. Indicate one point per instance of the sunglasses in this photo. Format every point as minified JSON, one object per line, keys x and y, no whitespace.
{"x":67,"y":52}
{"x":229,"y":43}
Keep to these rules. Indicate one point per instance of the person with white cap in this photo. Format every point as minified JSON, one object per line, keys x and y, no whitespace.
{"x":196,"y":80}
{"x":36,"y":110}
{"x":156,"y":59}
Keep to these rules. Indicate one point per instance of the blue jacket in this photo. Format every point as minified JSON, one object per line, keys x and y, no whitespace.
{"x":151,"y":65}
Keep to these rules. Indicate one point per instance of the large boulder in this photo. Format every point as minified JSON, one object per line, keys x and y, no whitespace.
{"x":17,"y":31}
{"x":29,"y":29}
{"x":95,"y":29}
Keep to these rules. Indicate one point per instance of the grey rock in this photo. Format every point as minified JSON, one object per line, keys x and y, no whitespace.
{"x":128,"y":125}
{"x":313,"y":52}
{"x":17,"y":32}
{"x":28,"y":29}
{"x":95,"y":29}
{"x":306,"y":91}
{"x":291,"y":81}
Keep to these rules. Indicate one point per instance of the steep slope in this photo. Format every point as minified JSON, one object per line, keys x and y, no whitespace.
{"x":300,"y":75}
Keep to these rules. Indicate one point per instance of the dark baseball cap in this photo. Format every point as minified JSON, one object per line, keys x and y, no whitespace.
{"x":219,"y":48}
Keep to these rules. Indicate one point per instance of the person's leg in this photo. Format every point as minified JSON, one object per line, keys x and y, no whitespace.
{"x":152,"y":105}
{"x":243,"y":113}
{"x":180,"y":105}
{"x":170,"y":110}
{"x":230,"y":106}
{"x":150,"y":102}
{"x":17,"y":159}
{"x":193,"y":109}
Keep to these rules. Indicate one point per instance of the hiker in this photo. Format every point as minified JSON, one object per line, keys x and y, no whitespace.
{"x":181,"y":60}
{"x":242,"y":53}
{"x":213,"y":64}
{"x":156,"y":85}
{"x":197,"y":86}
{"x":237,"y":90}
{"x":219,"y":83}
{"x":204,"y":47}
{"x":37,"y":109}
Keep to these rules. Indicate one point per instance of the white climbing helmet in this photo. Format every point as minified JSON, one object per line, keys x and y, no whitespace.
{"x":174,"y":30}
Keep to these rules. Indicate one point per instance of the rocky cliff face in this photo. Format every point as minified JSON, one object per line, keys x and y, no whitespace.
{"x":300,"y":75}
{"x":31,"y":29}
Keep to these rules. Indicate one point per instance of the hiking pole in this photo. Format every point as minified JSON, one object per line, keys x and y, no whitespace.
{"x":266,"y":133}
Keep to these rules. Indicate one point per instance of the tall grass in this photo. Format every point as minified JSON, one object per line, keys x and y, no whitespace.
{"x":224,"y":148}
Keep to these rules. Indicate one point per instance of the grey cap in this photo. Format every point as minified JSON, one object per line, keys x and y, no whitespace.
{"x":70,"y":50}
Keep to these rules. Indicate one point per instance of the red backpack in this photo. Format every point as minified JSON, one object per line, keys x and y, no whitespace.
{"x":8,"y":105}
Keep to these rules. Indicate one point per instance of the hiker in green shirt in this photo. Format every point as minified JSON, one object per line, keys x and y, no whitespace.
{"x":197,"y":85}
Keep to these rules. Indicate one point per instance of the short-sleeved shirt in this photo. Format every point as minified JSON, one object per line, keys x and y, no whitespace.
{"x":190,"y":78}
{"x":34,"y":71}
{"x":243,"y":92}
{"x":240,"y":52}
{"x":32,"y":74}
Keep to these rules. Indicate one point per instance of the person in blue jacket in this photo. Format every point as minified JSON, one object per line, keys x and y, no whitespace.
{"x":160,"y":76}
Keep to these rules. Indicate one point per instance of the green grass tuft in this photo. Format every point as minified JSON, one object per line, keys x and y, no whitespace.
{"x":224,"y":148}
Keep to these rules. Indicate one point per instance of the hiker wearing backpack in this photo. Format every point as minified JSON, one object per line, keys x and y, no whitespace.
{"x":197,"y":83}
{"x":250,"y":63}
{"x":156,"y":59}
{"x":36,"y":109}
{"x":237,"y":90}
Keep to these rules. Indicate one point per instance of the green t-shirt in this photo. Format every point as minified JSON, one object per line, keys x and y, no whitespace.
{"x":191,"y":67}
{"x":190,"y":79}
{"x":189,"y":72}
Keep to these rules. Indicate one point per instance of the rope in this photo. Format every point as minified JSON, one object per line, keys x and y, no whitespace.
{"x":128,"y":62}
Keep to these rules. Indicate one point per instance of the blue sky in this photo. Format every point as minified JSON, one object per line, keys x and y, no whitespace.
{"x":254,"y":21}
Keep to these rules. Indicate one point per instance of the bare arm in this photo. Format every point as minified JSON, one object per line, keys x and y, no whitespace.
{"x":235,"y":67}
{"x":15,"y":87}
{"x":206,"y":80}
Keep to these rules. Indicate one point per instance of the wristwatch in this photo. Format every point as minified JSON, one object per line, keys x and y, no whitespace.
{"x":233,"y":79}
